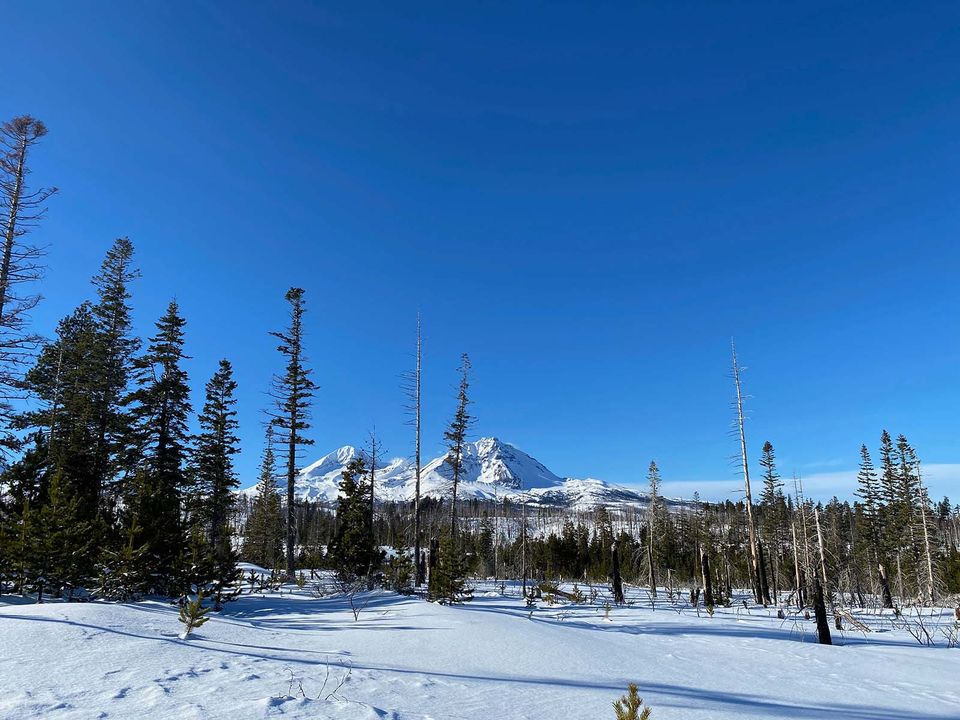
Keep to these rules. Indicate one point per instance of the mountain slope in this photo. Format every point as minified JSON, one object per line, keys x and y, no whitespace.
{"x":492,"y":470}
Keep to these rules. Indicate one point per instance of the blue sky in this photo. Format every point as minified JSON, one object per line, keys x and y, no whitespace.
{"x":590,"y":199}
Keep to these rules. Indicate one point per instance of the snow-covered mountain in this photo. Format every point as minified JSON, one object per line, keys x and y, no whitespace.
{"x":492,"y":470}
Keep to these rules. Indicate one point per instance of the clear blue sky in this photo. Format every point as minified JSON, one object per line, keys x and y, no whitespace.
{"x":590,"y":199}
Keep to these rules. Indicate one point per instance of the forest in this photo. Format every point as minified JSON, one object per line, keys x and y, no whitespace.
{"x":114,"y":487}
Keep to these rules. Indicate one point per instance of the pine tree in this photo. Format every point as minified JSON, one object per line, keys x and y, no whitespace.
{"x":773,"y":517}
{"x":263,"y":534}
{"x":352,"y":553}
{"x":907,"y":511}
{"x":115,"y":351}
{"x":27,"y":488}
{"x":399,"y":571}
{"x":62,"y":382}
{"x":456,"y":437}
{"x":161,"y":404}
{"x":59,"y":543}
{"x":446,"y":584}
{"x":869,"y":493}
{"x":292,"y":392}
{"x":121,"y":572}
{"x":193,"y":615}
{"x":630,"y":706}
{"x":868,"y":545}
{"x":214,"y":476}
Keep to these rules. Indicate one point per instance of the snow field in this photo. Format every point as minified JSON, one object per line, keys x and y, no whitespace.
{"x":294,"y":655}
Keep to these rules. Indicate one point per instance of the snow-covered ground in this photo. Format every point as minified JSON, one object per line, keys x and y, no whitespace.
{"x":292,"y":654}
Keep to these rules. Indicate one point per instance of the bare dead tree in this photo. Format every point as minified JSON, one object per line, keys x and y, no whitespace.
{"x":653,"y":524}
{"x":705,"y":577}
{"x":751,"y":525}
{"x":798,"y":573}
{"x":411,"y":386}
{"x":20,"y":265}
{"x":931,"y":588}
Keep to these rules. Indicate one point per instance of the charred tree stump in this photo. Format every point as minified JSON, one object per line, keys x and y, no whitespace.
{"x":885,"y":588}
{"x":617,"y":581}
{"x":820,"y":611}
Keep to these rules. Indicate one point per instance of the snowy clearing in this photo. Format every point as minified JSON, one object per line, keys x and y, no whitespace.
{"x":294,"y":655}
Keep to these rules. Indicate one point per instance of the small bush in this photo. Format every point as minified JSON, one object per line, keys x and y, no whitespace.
{"x":630,"y":706}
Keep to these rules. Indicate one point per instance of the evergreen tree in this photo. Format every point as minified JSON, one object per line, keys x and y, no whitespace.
{"x":58,"y":543}
{"x":214,"y":476}
{"x":26,"y":486}
{"x":214,"y":481}
{"x":446,"y":583}
{"x":889,"y":493}
{"x":773,"y":516}
{"x":121,"y":572}
{"x":161,"y":404}
{"x":292,"y":392}
{"x":114,"y":357}
{"x":352,"y":552}
{"x":868,"y":490}
{"x":61,"y":380}
{"x":456,"y":437}
{"x":263,"y":534}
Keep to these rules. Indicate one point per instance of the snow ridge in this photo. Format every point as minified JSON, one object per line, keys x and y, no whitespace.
{"x":492,"y":470}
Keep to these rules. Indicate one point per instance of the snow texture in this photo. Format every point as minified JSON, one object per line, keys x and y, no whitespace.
{"x":294,"y":655}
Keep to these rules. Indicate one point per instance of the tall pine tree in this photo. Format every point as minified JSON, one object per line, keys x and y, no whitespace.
{"x":160,"y":407}
{"x":115,"y":351}
{"x":214,"y":476}
{"x":456,"y":437}
{"x":292,"y":392}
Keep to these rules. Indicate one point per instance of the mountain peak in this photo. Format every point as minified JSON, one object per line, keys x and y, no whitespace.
{"x":492,"y":470}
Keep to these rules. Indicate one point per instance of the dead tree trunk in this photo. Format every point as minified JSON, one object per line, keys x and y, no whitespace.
{"x":823,"y":570}
{"x":798,"y":574}
{"x":432,"y":560}
{"x":419,"y":579}
{"x":651,"y":573}
{"x":820,"y":610}
{"x":707,"y":580}
{"x":523,"y":549}
{"x":764,"y":587}
{"x":617,"y":582}
{"x":930,"y":589}
{"x":748,"y":496}
{"x":885,"y":587}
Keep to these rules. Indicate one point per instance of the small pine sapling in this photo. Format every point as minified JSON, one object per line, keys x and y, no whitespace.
{"x":193,"y":614}
{"x":630,"y":706}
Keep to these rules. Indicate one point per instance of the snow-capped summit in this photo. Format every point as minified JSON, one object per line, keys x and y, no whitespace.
{"x":492,"y":464}
{"x":492,"y":470}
